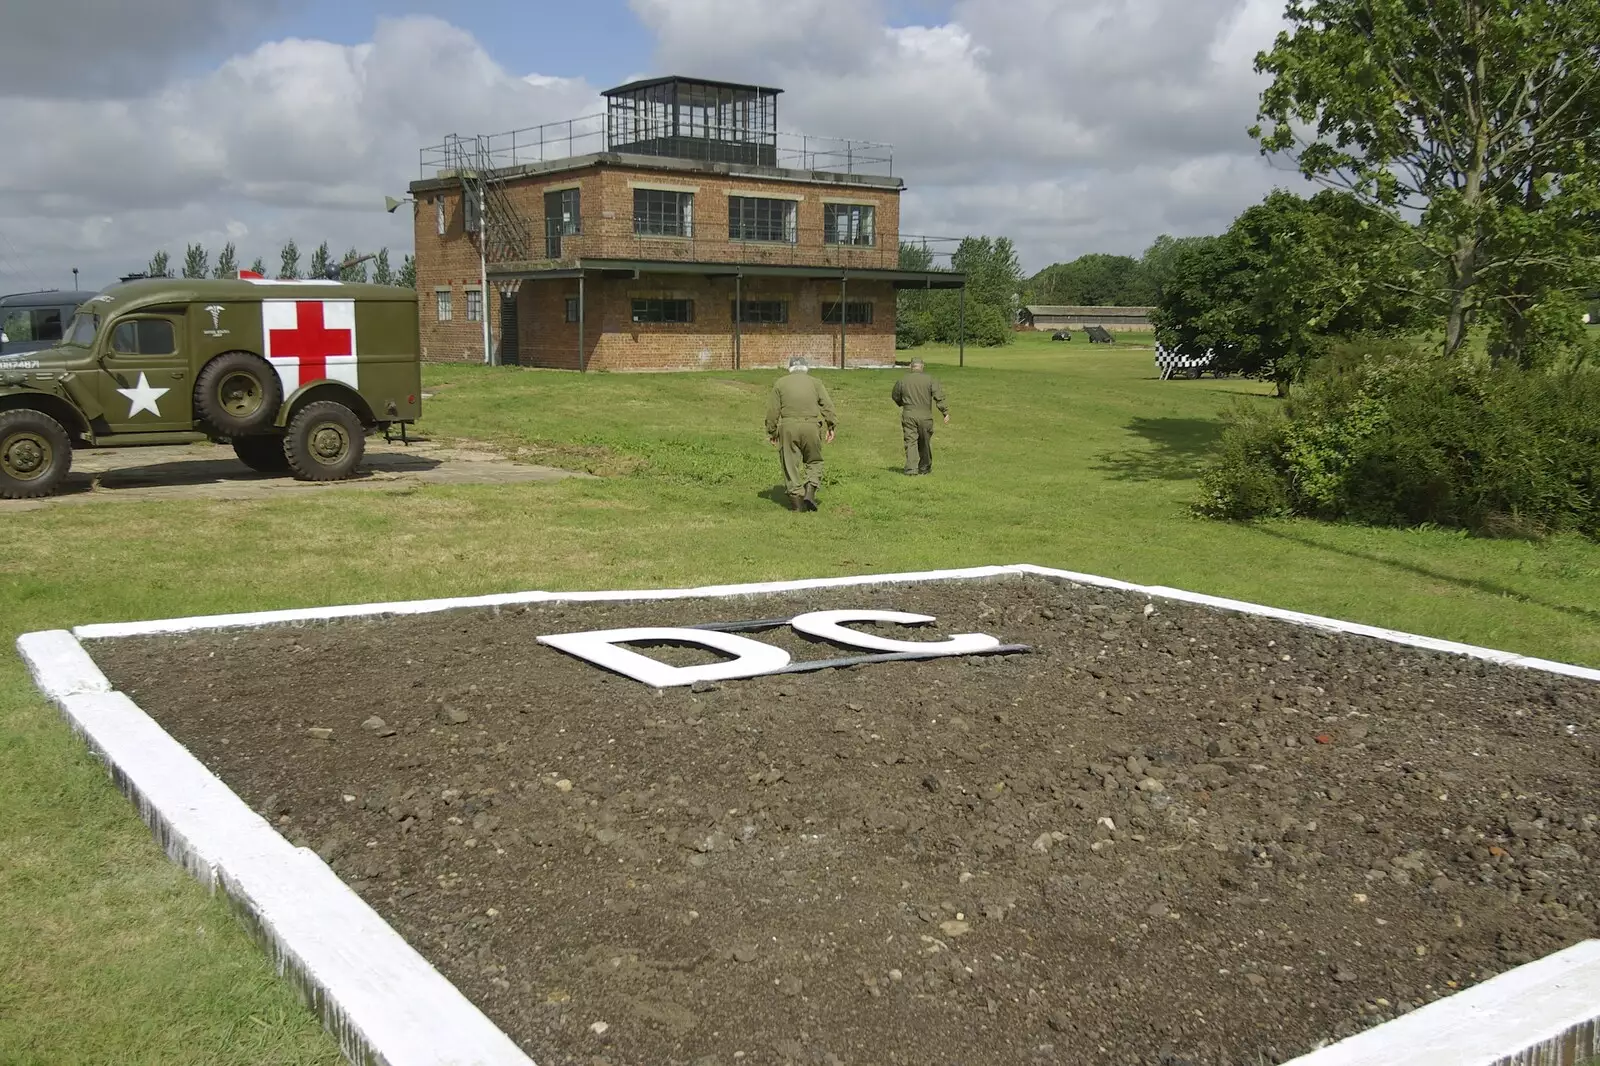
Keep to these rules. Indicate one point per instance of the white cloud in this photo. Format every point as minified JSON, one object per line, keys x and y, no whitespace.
{"x":294,"y":139}
{"x":1070,"y":125}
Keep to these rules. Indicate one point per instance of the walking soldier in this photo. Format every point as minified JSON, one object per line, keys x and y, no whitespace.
{"x":799,"y":419}
{"x":917,"y":393}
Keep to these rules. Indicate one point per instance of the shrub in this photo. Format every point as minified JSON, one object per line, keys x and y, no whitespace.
{"x":1400,"y":437}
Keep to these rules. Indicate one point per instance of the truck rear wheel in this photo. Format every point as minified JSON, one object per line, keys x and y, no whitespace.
{"x":238,"y":394}
{"x":35,"y":454}
{"x":326,"y":442}
{"x":262,"y":453}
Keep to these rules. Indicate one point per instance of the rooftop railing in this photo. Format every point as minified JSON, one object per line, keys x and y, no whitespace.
{"x":589,"y":134}
{"x":706,"y":243}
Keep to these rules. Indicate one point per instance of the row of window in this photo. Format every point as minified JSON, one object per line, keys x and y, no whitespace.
{"x":664,"y":213}
{"x":756,"y":312}
{"x":444,"y":305}
{"x":669,"y":213}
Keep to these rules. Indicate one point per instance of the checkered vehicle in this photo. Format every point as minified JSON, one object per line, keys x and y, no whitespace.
{"x":1173,"y":363}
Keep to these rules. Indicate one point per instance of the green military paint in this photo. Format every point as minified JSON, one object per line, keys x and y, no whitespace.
{"x":162,"y":359}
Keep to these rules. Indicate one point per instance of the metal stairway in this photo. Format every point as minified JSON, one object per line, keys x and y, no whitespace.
{"x":505,"y":235}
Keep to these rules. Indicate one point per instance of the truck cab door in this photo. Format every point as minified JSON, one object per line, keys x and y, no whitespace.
{"x":144,"y":380}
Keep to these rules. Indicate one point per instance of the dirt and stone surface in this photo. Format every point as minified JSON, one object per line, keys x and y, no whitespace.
{"x":213,"y":472}
{"x":1168,"y":835}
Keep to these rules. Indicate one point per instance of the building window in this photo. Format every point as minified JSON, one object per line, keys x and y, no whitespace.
{"x":442,"y":304}
{"x":474,"y":305}
{"x":438,"y":210}
{"x":663,"y":310}
{"x":660,"y":213}
{"x":763,"y":312}
{"x":848,"y":224}
{"x":562,"y":218}
{"x":856,"y":314}
{"x":752,"y":218}
{"x":572,"y":309}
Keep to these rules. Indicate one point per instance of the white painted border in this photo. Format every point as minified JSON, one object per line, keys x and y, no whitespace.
{"x":368,"y":983}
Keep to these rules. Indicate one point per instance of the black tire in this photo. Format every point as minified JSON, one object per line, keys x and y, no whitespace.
{"x":326,"y":442}
{"x":238,"y":394}
{"x":262,"y":453}
{"x":35,"y":454}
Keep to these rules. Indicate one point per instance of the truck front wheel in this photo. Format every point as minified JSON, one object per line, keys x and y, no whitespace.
{"x":326,"y":442}
{"x":35,"y":454}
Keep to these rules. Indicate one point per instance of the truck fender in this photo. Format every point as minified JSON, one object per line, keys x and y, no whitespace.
{"x":58,"y":408}
{"x":336,"y":391}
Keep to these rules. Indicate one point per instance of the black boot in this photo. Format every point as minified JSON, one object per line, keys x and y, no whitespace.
{"x":810,"y":499}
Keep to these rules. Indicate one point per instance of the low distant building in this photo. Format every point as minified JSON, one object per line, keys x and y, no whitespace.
{"x":1051,"y":317}
{"x":679,"y":230}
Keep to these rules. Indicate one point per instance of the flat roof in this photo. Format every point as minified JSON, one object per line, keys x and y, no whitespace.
{"x":901,"y":279}
{"x":646,"y":83}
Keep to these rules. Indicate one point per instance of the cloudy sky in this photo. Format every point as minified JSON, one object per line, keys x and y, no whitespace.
{"x":1072,"y":126}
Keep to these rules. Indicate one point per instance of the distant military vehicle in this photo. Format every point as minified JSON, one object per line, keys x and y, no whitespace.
{"x":30,"y":321}
{"x":293,"y":374}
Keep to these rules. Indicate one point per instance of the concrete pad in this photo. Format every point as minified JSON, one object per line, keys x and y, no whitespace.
{"x":213,"y":472}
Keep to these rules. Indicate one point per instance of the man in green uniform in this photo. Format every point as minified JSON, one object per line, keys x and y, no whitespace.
{"x":917,"y":393}
{"x":798,"y":412}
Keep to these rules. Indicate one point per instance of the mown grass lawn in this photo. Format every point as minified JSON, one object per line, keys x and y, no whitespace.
{"x":1067,"y":455}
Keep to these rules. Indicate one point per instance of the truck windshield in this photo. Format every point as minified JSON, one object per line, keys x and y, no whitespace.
{"x":84,"y":327}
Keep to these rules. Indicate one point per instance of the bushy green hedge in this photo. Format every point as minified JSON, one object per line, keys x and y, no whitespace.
{"x":1394,"y":436}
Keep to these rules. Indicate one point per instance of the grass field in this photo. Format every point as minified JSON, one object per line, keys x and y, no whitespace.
{"x":1059,"y":454}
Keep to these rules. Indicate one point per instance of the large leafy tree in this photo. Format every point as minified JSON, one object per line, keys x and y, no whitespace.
{"x":1289,"y":274}
{"x":356,"y":272}
{"x":227,"y":262}
{"x":1482,"y":117}
{"x":1093,"y":280}
{"x":259,"y":266}
{"x":160,"y":265}
{"x":407,"y":277}
{"x":289,"y":261}
{"x":382,"y":272}
{"x":321,"y":259}
{"x":196,"y":262}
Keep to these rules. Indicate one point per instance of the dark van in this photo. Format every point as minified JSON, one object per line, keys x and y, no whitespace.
{"x":34,"y":321}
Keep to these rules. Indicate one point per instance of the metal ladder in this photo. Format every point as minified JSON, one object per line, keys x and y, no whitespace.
{"x":505,"y":234}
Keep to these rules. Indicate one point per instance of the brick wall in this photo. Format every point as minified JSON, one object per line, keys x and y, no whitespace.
{"x":450,"y":262}
{"x":613,"y":341}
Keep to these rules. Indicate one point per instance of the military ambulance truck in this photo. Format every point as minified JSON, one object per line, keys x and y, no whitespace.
{"x":293,"y":374}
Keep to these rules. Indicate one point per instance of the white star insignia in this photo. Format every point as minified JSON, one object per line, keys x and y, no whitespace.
{"x":143,"y":397}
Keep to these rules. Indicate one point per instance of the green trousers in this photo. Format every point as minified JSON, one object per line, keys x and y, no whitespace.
{"x":800,"y":451}
{"x":918,"y":433}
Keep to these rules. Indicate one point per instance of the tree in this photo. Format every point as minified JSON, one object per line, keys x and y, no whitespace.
{"x":407,"y":278}
{"x":227,"y":262}
{"x":357,"y":272}
{"x":1289,"y":275}
{"x":382,"y":273}
{"x":994,"y":273}
{"x":159,"y":266}
{"x":257,"y":266}
{"x":321,"y":259}
{"x":1160,"y":259}
{"x":994,"y":278}
{"x":1094,"y":280}
{"x":1481,"y":116}
{"x":195,"y":262}
{"x":289,"y":262}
